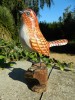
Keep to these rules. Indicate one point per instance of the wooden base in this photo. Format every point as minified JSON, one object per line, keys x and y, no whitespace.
{"x":37,"y":77}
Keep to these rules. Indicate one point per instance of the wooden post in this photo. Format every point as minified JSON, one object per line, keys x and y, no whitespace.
{"x":37,"y":77}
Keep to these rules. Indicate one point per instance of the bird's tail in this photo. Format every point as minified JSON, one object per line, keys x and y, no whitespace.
{"x":58,"y":42}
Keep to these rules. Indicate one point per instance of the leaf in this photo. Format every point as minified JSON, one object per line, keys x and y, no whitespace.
{"x":2,"y":57}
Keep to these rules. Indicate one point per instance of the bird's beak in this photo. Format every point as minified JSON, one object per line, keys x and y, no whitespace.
{"x":21,"y":12}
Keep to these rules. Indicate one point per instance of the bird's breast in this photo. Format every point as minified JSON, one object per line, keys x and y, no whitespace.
{"x":24,"y":36}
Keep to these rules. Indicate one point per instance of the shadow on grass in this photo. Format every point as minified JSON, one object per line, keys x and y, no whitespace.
{"x":69,"y":49}
{"x":4,"y":64}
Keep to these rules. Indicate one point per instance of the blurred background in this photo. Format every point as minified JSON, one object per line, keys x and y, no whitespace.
{"x":56,"y":19}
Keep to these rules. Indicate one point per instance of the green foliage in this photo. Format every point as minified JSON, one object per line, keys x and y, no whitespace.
{"x":21,"y":4}
{"x":62,"y":65}
{"x":6,"y":19}
{"x":10,"y":17}
{"x":35,"y":3}
{"x":4,"y":63}
{"x":5,"y":33}
{"x":52,"y":31}
{"x":13,"y":4}
{"x":16,"y":5}
{"x":10,"y":50}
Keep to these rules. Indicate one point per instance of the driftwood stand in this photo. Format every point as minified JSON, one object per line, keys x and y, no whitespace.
{"x":37,"y":77}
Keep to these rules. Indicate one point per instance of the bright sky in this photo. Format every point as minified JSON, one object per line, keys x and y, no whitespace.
{"x":56,"y":10}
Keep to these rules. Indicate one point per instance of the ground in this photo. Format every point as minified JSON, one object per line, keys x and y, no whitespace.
{"x":64,"y":57}
{"x":61,"y":84}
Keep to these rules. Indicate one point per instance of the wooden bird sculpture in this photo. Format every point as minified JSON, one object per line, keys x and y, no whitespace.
{"x":31,"y":36}
{"x":32,"y":39}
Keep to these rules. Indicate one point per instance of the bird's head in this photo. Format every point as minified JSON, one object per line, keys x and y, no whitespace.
{"x":29,"y":18}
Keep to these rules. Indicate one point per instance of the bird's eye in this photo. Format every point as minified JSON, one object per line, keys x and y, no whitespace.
{"x":27,"y":13}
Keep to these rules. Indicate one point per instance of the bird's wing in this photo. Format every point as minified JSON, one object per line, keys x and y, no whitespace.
{"x":39,"y":44}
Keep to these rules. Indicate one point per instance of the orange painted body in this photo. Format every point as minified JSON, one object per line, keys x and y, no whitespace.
{"x":32,"y":37}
